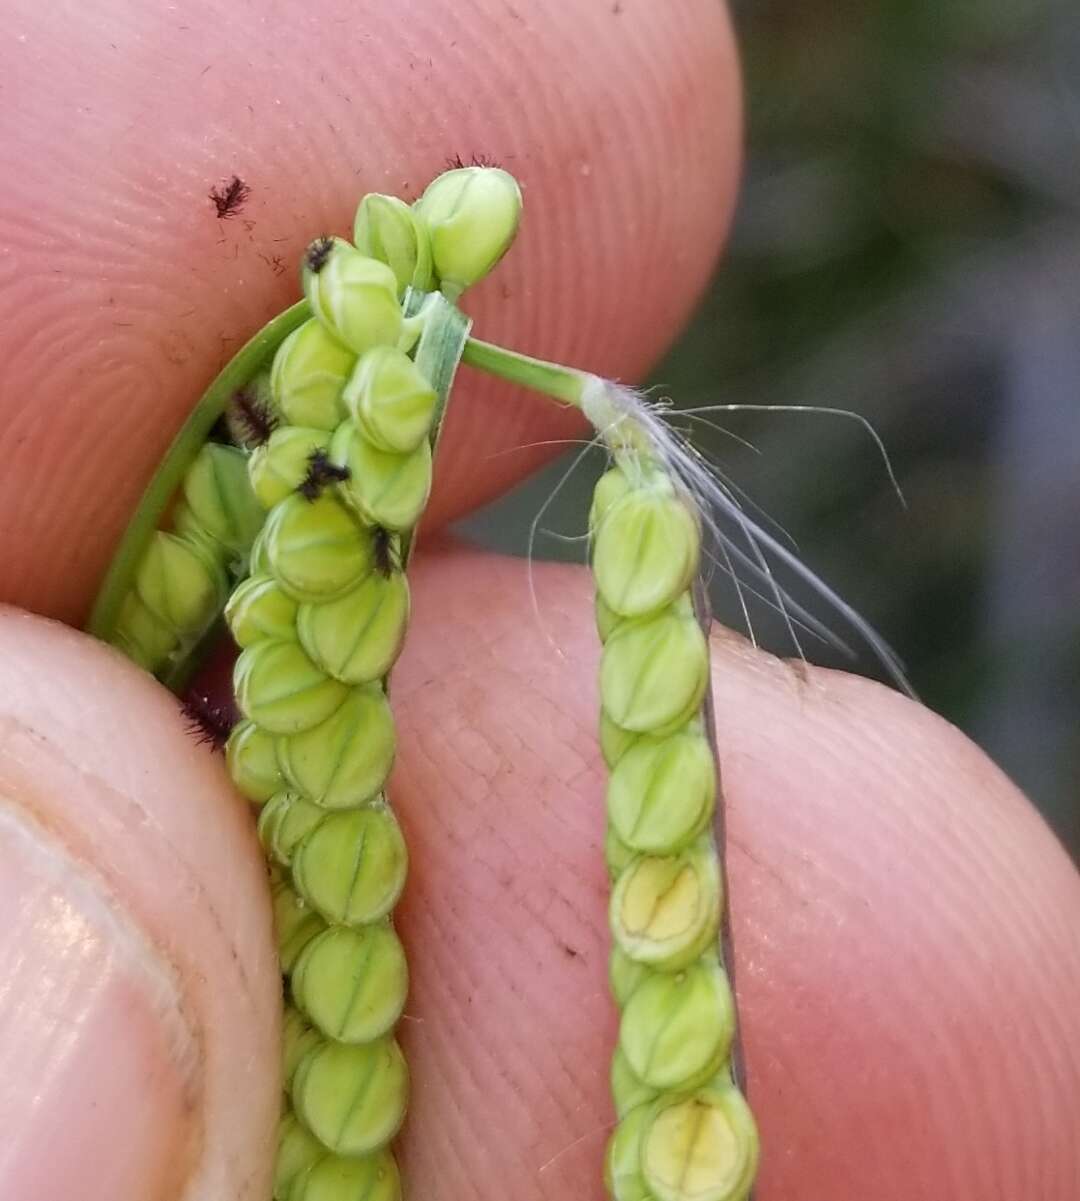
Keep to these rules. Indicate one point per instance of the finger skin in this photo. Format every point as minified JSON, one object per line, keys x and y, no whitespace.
{"x":121,"y":294}
{"x":906,"y":928}
{"x":139,"y":1039}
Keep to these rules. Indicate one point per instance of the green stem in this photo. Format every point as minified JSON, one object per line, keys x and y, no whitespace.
{"x":255,"y":356}
{"x":564,"y":384}
{"x":444,"y":338}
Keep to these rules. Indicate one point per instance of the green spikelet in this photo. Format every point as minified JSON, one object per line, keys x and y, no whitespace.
{"x":321,"y":622}
{"x":685,"y":1132}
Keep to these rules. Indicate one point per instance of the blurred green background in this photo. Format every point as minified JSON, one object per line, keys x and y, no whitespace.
{"x":907,"y":246}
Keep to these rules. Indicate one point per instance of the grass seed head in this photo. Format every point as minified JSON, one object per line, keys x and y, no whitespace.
{"x":252,"y":762}
{"x":180,"y":582}
{"x":298,"y":1150}
{"x":279,"y":688}
{"x":298,"y":1037}
{"x":142,"y":635}
{"x":352,"y":983}
{"x":344,"y":761}
{"x":665,"y":909}
{"x":391,"y":402}
{"x":661,"y":795}
{"x":295,"y":924}
{"x":285,"y":821}
{"x":472,"y":216}
{"x":352,"y":1098}
{"x":355,"y":297}
{"x":337,"y":1178}
{"x":702,"y":1147}
{"x":358,"y":637}
{"x":627,"y":1091}
{"x":383,"y":489}
{"x":622,"y":1161}
{"x":352,"y":866}
{"x":654,"y":671}
{"x":677,"y":1027}
{"x":387,"y":229}
{"x":646,"y":551}
{"x":258,"y":609}
{"x":316,"y":549}
{"x":308,"y":376}
{"x":219,"y":496}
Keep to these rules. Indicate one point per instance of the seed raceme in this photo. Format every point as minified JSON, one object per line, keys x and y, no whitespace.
{"x":296,"y":529}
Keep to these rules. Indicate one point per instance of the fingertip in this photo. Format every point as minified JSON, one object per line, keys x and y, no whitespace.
{"x":903,"y":955}
{"x":139,"y":1034}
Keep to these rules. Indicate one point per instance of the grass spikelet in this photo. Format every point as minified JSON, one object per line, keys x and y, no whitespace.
{"x":637,"y":431}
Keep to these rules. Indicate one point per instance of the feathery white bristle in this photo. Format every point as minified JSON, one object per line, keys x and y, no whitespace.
{"x":638,"y":433}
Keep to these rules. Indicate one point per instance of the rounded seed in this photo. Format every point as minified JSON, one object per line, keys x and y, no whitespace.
{"x":666,"y":910}
{"x":700,"y":1148}
{"x":616,"y":853}
{"x":295,"y":924}
{"x":676,"y":1029}
{"x":316,"y":549}
{"x":251,"y":757}
{"x":625,"y":974}
{"x":258,"y":609}
{"x":661,"y":792}
{"x":653,"y":671}
{"x":384,"y":489}
{"x":184,"y":522}
{"x":337,"y":1178}
{"x":355,"y":298}
{"x":645,"y":552}
{"x":309,"y":373}
{"x":391,"y":402}
{"x":344,"y":761}
{"x":297,"y":1039}
{"x":146,"y":638}
{"x":387,"y":229}
{"x":297,"y":1150}
{"x":352,"y":983}
{"x":358,"y":637}
{"x":352,"y":1097}
{"x":285,"y":820}
{"x":627,"y":1091}
{"x":622,"y":1162}
{"x":258,"y":562}
{"x":610,"y":488}
{"x":606,"y":618}
{"x":472,"y":216}
{"x":279,"y":688}
{"x":180,"y":582}
{"x":614,"y":740}
{"x":352,"y":866}
{"x":280,"y":465}
{"x":220,"y":498}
